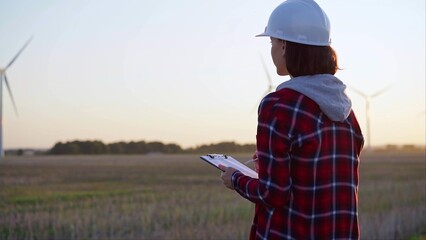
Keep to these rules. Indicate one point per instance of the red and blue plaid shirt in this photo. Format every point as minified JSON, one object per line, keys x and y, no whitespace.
{"x":308,"y":172}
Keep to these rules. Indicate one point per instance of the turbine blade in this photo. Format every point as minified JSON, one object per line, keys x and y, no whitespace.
{"x":19,"y":53}
{"x":254,"y":108}
{"x":270,"y":86}
{"x":261,"y":98}
{"x":380,"y":92}
{"x":266,"y":71}
{"x":11,"y":95}
{"x":257,"y":104}
{"x":266,"y":92}
{"x":358,"y":92}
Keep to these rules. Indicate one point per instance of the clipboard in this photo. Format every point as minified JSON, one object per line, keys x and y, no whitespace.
{"x":228,"y":161}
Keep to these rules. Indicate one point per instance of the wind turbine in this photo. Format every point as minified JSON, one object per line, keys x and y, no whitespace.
{"x":268,"y":77}
{"x":368,"y":99}
{"x":4,"y":77}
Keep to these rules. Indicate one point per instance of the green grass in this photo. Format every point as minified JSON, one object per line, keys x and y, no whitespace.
{"x":418,"y":237}
{"x":45,"y":198}
{"x":178,"y":197}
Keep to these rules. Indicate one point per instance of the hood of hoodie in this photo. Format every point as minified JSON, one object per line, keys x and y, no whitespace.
{"x":324,"y":89}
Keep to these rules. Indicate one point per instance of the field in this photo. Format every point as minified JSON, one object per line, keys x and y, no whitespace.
{"x":179,"y":197}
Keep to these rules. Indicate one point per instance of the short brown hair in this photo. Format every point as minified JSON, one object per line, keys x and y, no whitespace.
{"x":302,"y":59}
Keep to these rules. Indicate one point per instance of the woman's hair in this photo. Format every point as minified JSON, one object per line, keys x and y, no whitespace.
{"x":304,"y":59}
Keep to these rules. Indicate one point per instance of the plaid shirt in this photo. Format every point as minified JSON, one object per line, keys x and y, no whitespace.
{"x":308,"y":172}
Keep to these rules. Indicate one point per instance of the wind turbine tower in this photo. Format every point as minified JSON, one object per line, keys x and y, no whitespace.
{"x":4,"y":77}
{"x":268,"y":77}
{"x":368,"y":99}
{"x":270,"y":86}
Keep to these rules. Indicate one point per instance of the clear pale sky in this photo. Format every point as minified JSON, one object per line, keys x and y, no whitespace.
{"x":189,"y":72}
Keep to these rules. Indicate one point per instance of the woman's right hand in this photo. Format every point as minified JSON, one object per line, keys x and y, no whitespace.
{"x":256,"y":162}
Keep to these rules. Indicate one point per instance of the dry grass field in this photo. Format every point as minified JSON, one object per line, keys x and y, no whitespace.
{"x":179,"y":197}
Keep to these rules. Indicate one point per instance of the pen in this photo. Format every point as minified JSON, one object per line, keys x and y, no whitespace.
{"x":251,"y":160}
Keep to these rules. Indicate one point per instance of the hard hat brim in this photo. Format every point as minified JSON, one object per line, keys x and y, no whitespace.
{"x":262,"y":35}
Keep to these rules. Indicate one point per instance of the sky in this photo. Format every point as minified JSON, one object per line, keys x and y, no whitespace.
{"x":189,"y":72}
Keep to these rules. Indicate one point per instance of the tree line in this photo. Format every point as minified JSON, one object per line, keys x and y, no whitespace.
{"x":143,"y":147}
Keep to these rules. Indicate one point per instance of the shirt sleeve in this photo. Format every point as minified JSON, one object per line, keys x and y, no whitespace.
{"x":273,"y":144}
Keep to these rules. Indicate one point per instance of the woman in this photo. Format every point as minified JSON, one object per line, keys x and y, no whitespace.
{"x":308,"y":138}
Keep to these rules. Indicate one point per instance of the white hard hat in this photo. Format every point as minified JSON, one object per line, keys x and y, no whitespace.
{"x":300,"y":21}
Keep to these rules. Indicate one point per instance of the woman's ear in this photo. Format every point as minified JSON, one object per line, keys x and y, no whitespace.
{"x":283,"y":48}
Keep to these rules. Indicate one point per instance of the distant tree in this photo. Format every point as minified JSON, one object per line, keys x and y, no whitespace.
{"x":155,"y":147}
{"x":223,"y":147}
{"x":117,"y":148}
{"x":142,"y":147}
{"x":79,"y":147}
{"x":409,"y":148}
{"x":172,"y":148}
{"x":135,"y":147}
{"x":72,"y":148}
{"x":56,"y":149}
{"x":90,"y":147}
{"x":20,"y":152}
{"x":98,"y":147}
{"x":65,"y":148}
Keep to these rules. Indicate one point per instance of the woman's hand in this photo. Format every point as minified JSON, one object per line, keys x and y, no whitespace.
{"x":256,"y":162}
{"x":226,"y":176}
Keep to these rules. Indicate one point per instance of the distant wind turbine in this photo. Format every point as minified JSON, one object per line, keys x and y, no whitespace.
{"x":4,"y":77}
{"x":368,"y":99}
{"x":270,"y":87}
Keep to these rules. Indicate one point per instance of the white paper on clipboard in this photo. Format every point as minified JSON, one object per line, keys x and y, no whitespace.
{"x":228,"y":161}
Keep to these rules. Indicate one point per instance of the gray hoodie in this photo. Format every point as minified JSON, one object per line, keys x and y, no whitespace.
{"x":324,"y":89}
